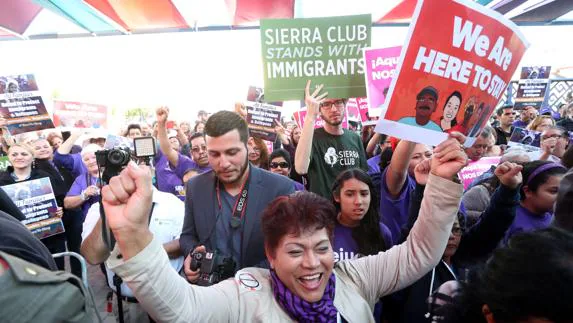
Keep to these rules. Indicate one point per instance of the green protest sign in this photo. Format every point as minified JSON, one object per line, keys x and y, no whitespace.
{"x":4,"y":163}
{"x":324,"y":50}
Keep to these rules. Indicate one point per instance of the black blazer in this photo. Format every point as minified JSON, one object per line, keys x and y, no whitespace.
{"x":201,"y":209}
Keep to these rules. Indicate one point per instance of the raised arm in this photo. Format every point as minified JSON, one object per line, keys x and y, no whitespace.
{"x":398,"y":168}
{"x":484,"y":236}
{"x":162,"y":114}
{"x":402,"y":265}
{"x":304,"y":147}
{"x":144,"y":265}
{"x":372,"y":143}
{"x":67,"y":145}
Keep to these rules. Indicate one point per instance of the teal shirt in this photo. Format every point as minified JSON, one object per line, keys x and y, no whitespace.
{"x":431,"y":125}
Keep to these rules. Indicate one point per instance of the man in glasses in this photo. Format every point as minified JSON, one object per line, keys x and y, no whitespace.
{"x":324,"y":152}
{"x":506,"y":117}
{"x":426,"y":104}
{"x":199,"y":155}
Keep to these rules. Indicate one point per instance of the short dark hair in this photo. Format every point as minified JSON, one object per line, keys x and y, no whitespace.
{"x":296,"y":214}
{"x":280,"y":153}
{"x":133,"y":126}
{"x":499,"y":110}
{"x":196,"y":135}
{"x":223,"y":122}
{"x":558,"y":128}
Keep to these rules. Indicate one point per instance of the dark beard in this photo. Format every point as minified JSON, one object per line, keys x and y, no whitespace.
{"x":242,"y":172}
{"x":335,"y":124}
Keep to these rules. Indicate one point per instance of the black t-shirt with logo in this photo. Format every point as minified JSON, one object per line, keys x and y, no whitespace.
{"x":331,"y":155}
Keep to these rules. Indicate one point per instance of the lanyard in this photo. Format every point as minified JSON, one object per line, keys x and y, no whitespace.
{"x":240,"y":204}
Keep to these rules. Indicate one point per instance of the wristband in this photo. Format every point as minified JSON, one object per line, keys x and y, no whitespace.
{"x":83,"y":195}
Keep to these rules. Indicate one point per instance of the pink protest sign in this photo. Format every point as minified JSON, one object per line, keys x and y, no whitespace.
{"x":361,"y":106}
{"x":381,"y":66}
{"x":474,"y":169}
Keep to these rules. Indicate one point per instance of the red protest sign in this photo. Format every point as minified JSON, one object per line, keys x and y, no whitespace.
{"x":79,"y":114}
{"x":458,"y":59}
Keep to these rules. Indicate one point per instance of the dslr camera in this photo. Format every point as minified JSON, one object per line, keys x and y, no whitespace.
{"x":214,"y":267}
{"x":113,"y":161}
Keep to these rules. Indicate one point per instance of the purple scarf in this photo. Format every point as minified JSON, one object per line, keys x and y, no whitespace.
{"x":301,"y":310}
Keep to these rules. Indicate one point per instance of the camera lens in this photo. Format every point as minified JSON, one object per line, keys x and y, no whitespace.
{"x":118,"y":157}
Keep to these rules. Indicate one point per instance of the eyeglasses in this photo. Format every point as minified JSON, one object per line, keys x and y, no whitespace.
{"x":281,"y":165}
{"x":198,"y":149}
{"x":337,"y":104}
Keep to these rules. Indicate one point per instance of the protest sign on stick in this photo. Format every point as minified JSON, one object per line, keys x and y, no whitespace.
{"x":532,"y":87}
{"x":325,"y":50}
{"x":35,"y":198}
{"x":381,"y":66}
{"x":262,"y":118}
{"x":476,"y":168}
{"x":458,"y":59}
{"x":79,"y":114}
{"x":21,"y":105}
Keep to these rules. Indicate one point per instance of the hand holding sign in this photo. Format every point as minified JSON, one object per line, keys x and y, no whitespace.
{"x":509,"y":174}
{"x":449,"y":156}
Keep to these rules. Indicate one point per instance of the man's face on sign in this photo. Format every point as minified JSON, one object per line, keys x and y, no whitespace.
{"x":425,"y":106}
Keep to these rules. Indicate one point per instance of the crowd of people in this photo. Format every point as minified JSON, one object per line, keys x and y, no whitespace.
{"x":322,"y":225}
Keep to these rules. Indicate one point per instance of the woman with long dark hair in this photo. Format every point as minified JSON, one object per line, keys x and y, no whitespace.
{"x":358,"y":230}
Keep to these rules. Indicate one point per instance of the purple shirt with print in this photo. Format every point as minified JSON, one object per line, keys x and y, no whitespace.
{"x":167,"y":179}
{"x":526,"y":221}
{"x":80,"y":184}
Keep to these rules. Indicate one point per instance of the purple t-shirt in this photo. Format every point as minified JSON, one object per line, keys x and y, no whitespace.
{"x":373,"y":165}
{"x":345,"y":247}
{"x":80,"y":184}
{"x":167,"y":179}
{"x":394,"y":211}
{"x":71,"y":162}
{"x":526,"y":221}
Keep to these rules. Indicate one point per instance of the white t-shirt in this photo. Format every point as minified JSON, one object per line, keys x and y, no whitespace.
{"x":166,"y":225}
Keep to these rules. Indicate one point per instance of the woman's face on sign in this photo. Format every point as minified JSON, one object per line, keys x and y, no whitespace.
{"x":451,"y":108}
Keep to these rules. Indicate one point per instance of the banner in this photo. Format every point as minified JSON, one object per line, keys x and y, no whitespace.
{"x":532,"y":87}
{"x":4,"y":163}
{"x":381,"y":66}
{"x":79,"y":114}
{"x":474,"y":169}
{"x":458,"y":59}
{"x":325,"y":50}
{"x":35,"y":198}
{"x":262,"y":118}
{"x":21,"y":105}
{"x":318,"y":123}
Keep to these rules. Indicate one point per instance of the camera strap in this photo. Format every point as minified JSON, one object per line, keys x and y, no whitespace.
{"x":240,"y":204}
